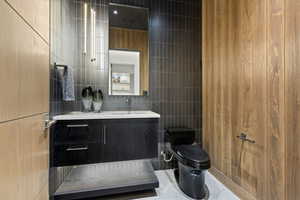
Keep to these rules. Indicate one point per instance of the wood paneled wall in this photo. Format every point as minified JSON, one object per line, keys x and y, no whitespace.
{"x":235,"y":87}
{"x":35,"y":13}
{"x":292,"y":94}
{"x":276,"y":136}
{"x":136,"y":40}
{"x":250,"y":85}
{"x":24,"y":101}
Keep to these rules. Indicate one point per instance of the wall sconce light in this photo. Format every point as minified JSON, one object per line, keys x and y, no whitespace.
{"x":85,"y":28}
{"x":93,"y":35}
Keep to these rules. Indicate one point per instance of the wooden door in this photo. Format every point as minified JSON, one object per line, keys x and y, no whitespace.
{"x":249,"y":167}
{"x":24,"y":103}
{"x":235,"y":89}
{"x":244,"y":93}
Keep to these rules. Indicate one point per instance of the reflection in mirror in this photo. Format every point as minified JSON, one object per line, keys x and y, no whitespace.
{"x":124,"y":72}
{"x":128,"y":50}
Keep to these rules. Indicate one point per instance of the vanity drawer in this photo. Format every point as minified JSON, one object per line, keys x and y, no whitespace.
{"x":75,"y":154}
{"x":72,"y":132}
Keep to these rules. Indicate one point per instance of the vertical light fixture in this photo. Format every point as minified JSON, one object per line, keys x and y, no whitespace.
{"x":85,"y":28}
{"x":93,"y":35}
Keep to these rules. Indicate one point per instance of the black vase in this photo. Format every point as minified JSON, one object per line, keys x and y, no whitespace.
{"x":97,"y":100}
{"x":87,"y":98}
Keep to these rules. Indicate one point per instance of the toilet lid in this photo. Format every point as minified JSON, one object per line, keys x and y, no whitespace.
{"x":192,"y":155}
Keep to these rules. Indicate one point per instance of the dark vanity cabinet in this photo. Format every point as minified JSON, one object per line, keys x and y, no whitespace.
{"x":129,"y":139}
{"x":77,"y":142}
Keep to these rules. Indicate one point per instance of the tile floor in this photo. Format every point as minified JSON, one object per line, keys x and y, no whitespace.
{"x":169,"y":190}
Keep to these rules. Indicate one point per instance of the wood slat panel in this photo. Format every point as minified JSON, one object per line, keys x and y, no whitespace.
{"x":9,"y":70}
{"x":36,"y":13}
{"x":9,"y":164}
{"x":292,"y":91}
{"x":24,"y":84}
{"x":24,"y":158}
{"x":34,"y":156}
{"x":276,"y":121}
{"x":252,"y":95}
{"x":24,"y":68}
{"x":33,"y":59}
{"x":243,"y":74}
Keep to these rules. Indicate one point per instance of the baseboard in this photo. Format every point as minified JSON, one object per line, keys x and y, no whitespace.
{"x":235,"y":188}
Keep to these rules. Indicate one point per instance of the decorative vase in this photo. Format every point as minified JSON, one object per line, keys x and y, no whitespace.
{"x":87,"y":98}
{"x":97,"y":100}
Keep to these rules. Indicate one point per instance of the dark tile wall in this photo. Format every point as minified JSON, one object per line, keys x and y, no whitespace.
{"x":67,"y":48}
{"x":175,"y":60}
{"x":64,"y":43}
{"x":62,"y":50}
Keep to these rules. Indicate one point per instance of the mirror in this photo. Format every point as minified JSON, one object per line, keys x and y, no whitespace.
{"x":128,"y":50}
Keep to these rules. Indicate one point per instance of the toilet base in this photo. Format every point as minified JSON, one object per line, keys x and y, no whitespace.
{"x":193,"y":187}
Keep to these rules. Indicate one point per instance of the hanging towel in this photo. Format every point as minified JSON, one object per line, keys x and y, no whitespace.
{"x":68,"y":91}
{"x":58,"y":88}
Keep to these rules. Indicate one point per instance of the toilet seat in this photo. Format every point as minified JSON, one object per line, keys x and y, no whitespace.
{"x":192,"y":155}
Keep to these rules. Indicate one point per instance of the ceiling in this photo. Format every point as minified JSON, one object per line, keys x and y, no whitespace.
{"x":128,"y":17}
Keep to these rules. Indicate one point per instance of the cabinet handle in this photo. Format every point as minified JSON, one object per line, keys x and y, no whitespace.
{"x":77,"y":149}
{"x":104,"y":134}
{"x":77,"y":126}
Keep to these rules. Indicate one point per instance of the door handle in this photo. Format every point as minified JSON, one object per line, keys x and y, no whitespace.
{"x":49,"y":124}
{"x":244,"y":138}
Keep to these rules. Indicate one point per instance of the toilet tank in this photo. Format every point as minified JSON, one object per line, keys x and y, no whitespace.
{"x":180,"y":136}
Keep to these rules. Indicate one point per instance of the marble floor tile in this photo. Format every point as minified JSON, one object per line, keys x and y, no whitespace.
{"x":169,"y":189}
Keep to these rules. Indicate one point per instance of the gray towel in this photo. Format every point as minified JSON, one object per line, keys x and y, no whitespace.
{"x":68,"y":91}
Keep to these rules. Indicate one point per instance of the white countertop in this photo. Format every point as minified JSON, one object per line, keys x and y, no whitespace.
{"x":107,"y":115}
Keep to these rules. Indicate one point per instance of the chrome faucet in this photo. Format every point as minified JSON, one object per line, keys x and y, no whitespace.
{"x":128,"y":102}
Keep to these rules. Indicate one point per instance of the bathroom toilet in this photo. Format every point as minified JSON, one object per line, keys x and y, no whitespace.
{"x":192,"y":161}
